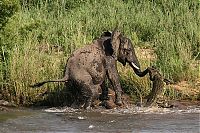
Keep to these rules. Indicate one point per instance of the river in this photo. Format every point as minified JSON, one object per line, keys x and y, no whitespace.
{"x":135,"y":119}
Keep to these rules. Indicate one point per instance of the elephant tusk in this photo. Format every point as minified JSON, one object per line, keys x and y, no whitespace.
{"x":135,"y":66}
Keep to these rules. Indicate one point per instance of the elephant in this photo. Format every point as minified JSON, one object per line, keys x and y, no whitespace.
{"x":88,"y":67}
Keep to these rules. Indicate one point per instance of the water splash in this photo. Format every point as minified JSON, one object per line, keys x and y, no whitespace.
{"x":129,"y":110}
{"x":60,"y":109}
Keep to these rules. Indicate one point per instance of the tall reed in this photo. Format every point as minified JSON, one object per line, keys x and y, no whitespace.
{"x":37,"y":40}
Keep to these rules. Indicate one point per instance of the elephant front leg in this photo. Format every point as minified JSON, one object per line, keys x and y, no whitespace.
{"x":104,"y":94}
{"x":113,"y":76}
{"x":114,"y":79}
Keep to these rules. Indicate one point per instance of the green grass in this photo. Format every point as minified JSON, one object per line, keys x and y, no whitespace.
{"x":37,"y":40}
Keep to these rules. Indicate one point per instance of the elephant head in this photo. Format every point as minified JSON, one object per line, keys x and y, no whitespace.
{"x":123,"y":50}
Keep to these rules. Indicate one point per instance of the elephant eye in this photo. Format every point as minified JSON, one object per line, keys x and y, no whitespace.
{"x":127,"y":51}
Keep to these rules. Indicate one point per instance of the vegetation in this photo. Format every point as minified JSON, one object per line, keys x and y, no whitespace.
{"x":36,"y":38}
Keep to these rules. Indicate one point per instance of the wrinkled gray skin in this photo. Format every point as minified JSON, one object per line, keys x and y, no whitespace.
{"x":89,"y":66}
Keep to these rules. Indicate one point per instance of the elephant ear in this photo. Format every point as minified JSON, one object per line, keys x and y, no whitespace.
{"x":115,"y":41}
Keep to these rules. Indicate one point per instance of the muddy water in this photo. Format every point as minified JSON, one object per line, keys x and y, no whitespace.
{"x":133,"y":119}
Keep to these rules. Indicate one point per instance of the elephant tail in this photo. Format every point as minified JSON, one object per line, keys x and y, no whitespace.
{"x":44,"y":82}
{"x":64,"y":79}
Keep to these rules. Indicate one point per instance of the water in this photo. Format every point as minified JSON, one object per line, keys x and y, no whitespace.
{"x":134,"y":119}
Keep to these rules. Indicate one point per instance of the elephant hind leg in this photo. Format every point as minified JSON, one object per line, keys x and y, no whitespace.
{"x":90,"y":93}
{"x":88,"y":89}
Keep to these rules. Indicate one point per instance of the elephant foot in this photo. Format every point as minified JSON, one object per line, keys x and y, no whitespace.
{"x":88,"y":104}
{"x":118,"y":102}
